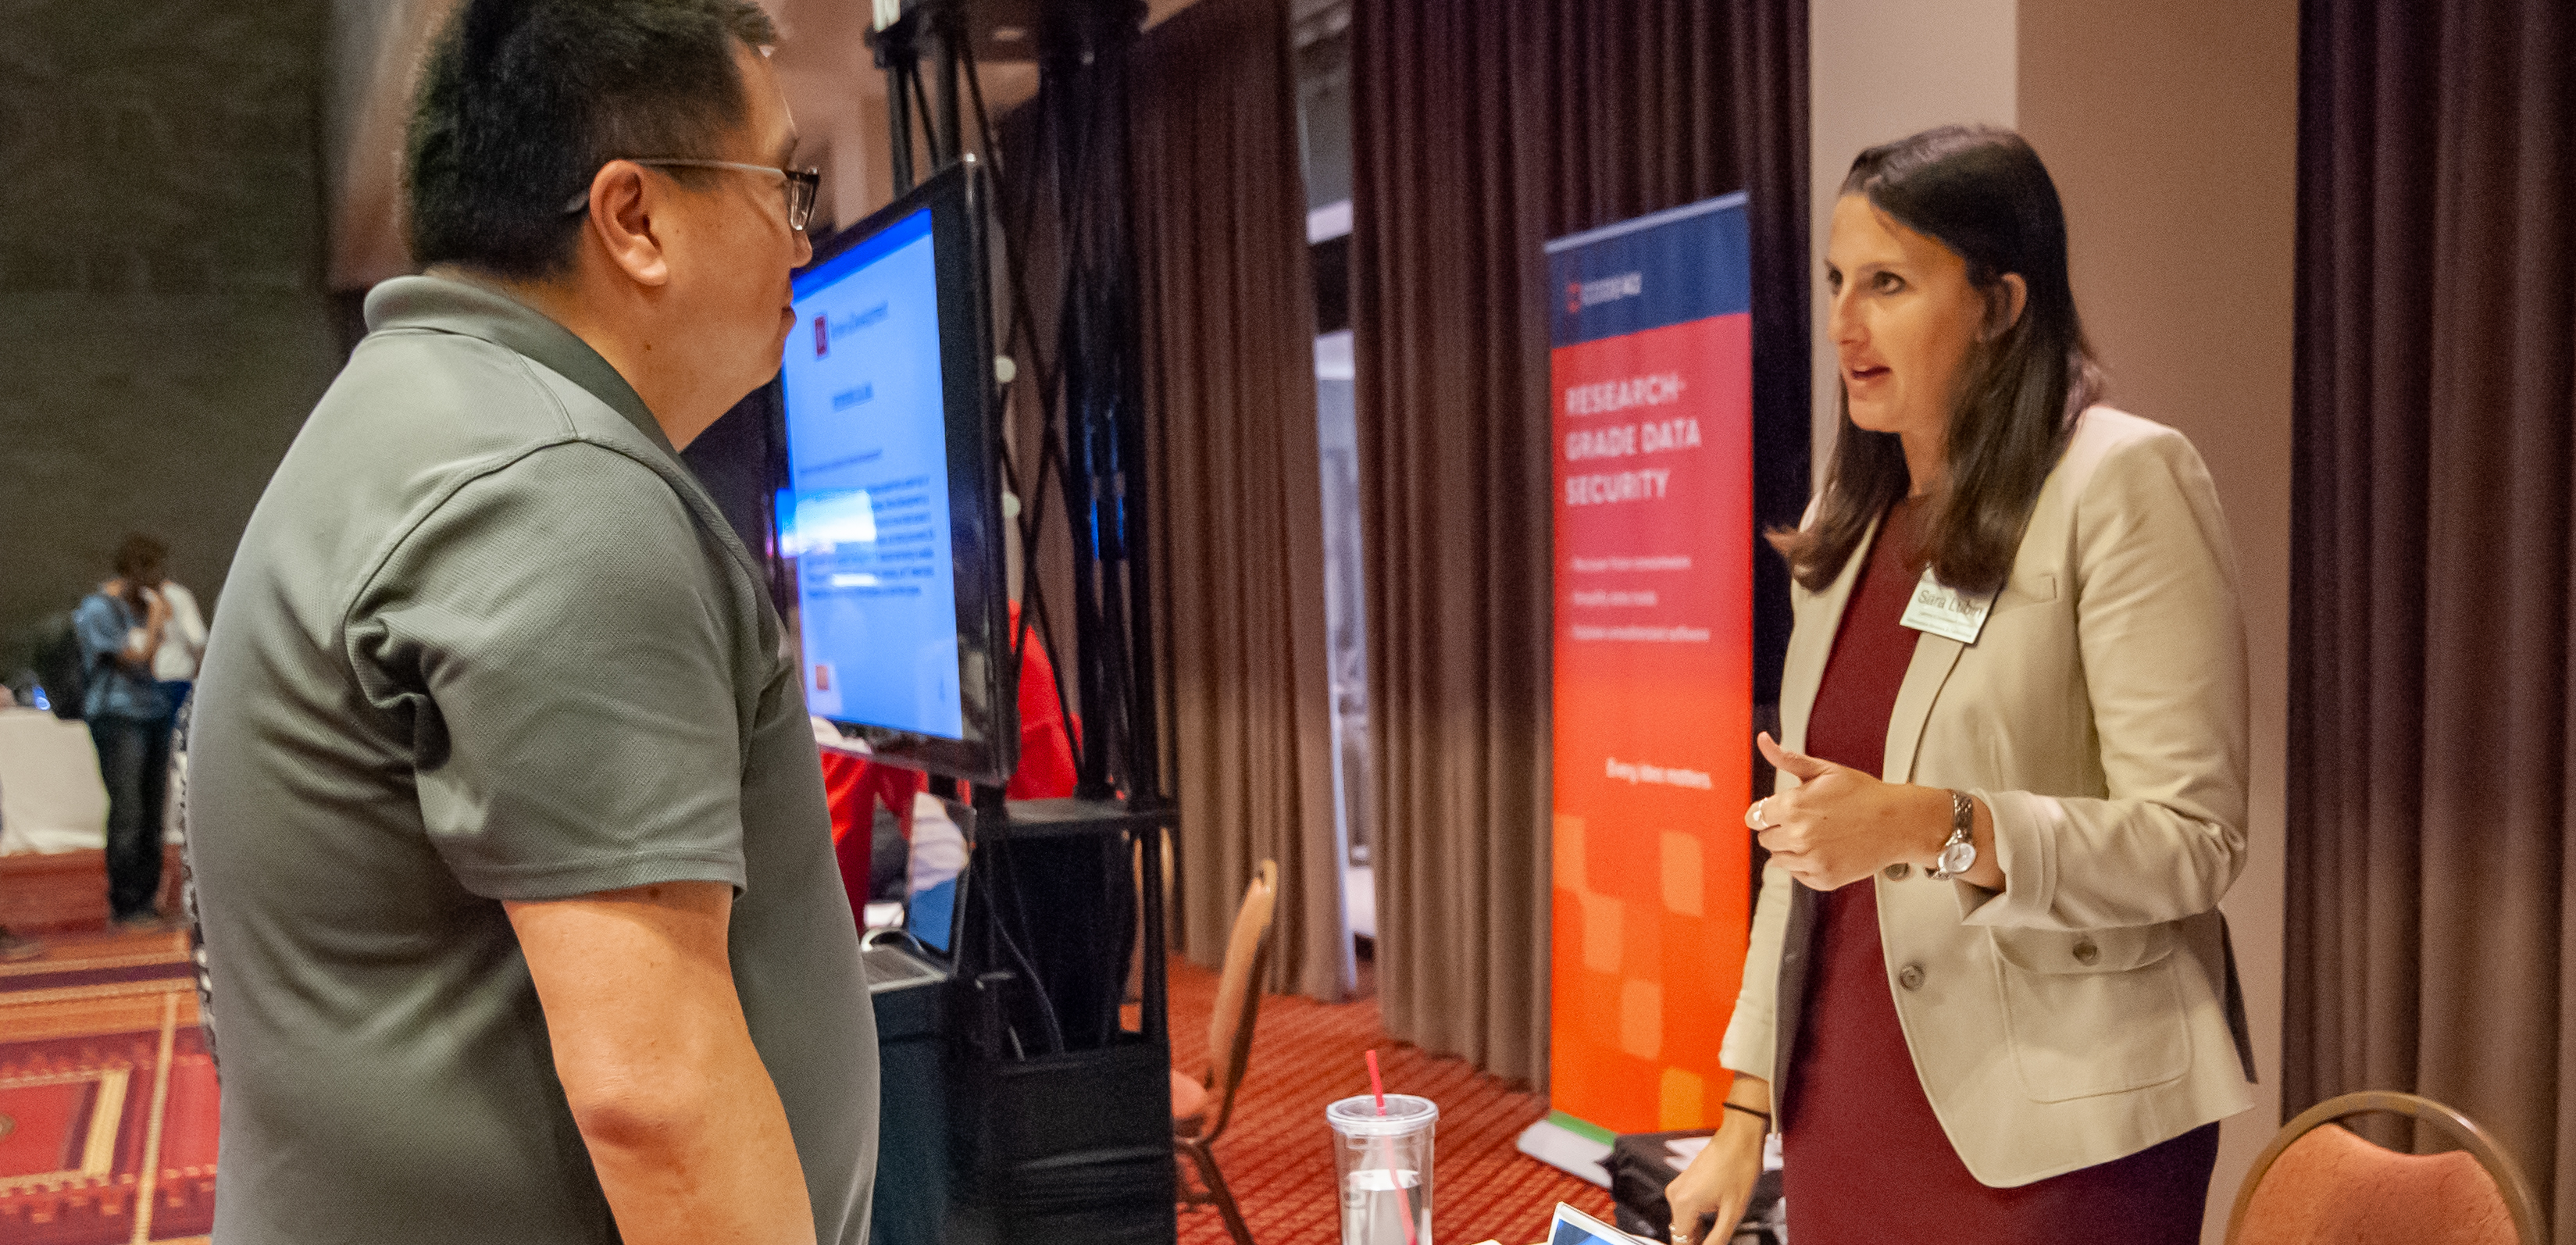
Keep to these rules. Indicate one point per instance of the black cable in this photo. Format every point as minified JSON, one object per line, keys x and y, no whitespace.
{"x":1037,"y":986}
{"x":921,"y":107}
{"x":1001,"y":933}
{"x":983,"y":121}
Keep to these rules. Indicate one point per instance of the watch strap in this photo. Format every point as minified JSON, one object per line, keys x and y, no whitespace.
{"x":1963,"y":822}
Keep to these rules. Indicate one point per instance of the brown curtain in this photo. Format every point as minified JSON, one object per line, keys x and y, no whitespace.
{"x":1228,"y":315}
{"x":2432,"y":760}
{"x":1480,"y":128}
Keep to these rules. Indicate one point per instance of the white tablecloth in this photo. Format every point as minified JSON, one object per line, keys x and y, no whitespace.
{"x":51,"y":799}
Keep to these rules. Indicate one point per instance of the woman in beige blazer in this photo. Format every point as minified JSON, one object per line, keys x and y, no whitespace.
{"x":1989,"y":995}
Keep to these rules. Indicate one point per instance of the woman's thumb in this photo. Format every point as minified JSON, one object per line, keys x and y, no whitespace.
{"x":1797,"y":765}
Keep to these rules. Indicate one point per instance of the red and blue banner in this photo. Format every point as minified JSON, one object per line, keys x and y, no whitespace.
{"x":1651,"y":368}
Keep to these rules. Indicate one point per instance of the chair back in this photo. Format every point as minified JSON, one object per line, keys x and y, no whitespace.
{"x":2319,"y":1182}
{"x":1238,"y":991}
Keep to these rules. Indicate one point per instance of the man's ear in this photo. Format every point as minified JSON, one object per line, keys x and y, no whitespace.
{"x":622,"y":203}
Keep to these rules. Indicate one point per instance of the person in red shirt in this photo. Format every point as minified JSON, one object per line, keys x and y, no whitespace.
{"x":855,"y":785}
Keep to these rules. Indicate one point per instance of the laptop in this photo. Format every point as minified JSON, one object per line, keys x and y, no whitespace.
{"x":1573,"y":1227}
{"x":922,"y":950}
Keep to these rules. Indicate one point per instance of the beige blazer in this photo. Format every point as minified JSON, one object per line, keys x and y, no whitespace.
{"x":2089,"y":1009}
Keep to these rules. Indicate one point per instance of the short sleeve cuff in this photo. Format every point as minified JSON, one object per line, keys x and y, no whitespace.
{"x":572,"y":879}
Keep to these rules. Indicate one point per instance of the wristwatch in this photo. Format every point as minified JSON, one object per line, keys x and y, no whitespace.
{"x":1959,"y":854}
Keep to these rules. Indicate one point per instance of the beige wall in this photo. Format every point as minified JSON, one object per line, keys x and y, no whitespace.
{"x":1882,"y":69}
{"x":2171,"y":130}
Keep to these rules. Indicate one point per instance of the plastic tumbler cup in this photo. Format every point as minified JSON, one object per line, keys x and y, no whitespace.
{"x":1383,"y":1166}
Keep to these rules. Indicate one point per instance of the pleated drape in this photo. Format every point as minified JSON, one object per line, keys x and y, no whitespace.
{"x":1228,"y":317}
{"x":2432,"y":753}
{"x":1479,"y":129}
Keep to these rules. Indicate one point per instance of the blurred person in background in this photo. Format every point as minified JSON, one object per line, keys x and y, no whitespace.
{"x":183,"y":644}
{"x":122,"y":628}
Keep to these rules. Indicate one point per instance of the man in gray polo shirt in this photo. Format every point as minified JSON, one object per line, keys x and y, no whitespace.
{"x":510,"y":843}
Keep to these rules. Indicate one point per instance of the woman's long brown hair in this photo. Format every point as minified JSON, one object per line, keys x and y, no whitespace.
{"x":1982,"y":193}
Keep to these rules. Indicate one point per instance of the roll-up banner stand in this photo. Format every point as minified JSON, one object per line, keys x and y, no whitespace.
{"x":1651,"y":372}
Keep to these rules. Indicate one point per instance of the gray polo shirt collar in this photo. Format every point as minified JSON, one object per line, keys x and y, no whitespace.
{"x":445,"y":305}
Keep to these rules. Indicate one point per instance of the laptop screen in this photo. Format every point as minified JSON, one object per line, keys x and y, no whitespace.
{"x":936,"y":868}
{"x":933,"y":915}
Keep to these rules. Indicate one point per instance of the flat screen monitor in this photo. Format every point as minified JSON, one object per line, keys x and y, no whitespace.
{"x":889,"y":519}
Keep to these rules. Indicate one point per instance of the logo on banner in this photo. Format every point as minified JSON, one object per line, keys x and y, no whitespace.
{"x":1582,"y":294}
{"x":822,"y":336}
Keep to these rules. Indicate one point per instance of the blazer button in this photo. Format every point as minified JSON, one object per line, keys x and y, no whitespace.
{"x":2086,"y":952}
{"x":1911,"y":977}
{"x":1899,"y":871}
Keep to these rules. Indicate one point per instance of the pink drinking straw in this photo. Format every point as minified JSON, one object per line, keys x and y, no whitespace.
{"x":1403,"y":1201}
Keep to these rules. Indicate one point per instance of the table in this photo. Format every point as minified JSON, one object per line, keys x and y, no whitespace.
{"x":51,"y":799}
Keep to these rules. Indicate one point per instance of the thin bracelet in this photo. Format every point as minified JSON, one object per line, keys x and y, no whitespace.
{"x":1763,"y":1116}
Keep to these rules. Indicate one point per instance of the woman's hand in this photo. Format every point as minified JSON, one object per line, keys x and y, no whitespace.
{"x":1839,"y":825}
{"x":1720,"y":1179}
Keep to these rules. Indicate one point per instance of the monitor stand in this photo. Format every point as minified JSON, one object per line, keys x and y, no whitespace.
{"x":1071,"y":1143}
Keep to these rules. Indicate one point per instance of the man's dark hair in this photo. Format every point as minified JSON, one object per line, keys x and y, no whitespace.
{"x":139,"y":554}
{"x":521,"y":102}
{"x":141,"y":561}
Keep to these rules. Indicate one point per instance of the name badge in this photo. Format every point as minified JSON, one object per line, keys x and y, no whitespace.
{"x":1938,"y":610}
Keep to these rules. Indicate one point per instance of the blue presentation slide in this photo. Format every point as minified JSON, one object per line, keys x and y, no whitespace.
{"x":865,"y":515}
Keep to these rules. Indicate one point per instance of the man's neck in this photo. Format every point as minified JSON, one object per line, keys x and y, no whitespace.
{"x":629,"y":352}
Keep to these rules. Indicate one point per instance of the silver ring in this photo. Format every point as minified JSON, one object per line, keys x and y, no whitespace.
{"x":1755,"y":819}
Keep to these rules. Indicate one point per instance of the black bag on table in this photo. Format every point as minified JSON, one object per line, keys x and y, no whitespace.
{"x":1641,"y":1164}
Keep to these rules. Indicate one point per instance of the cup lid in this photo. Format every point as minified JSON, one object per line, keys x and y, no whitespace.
{"x":1358,"y":1116}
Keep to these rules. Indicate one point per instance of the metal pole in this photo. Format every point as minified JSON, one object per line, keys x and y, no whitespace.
{"x":899,"y":66}
{"x":898,"y":46}
{"x":946,"y":26}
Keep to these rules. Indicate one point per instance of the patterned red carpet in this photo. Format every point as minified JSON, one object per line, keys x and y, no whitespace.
{"x":108,"y":1109}
{"x":107,"y":1099}
{"x":1277,"y":1153}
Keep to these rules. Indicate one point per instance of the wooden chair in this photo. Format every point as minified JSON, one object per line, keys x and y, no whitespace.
{"x":2320,"y":1182}
{"x":1200,"y":1108}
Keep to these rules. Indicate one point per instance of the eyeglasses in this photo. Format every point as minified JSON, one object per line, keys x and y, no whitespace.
{"x":798,"y":185}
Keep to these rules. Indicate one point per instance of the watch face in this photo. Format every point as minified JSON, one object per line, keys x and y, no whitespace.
{"x":1958,"y":858}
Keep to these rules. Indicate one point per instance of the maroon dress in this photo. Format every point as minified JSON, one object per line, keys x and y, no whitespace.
{"x":1865,"y":1159}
